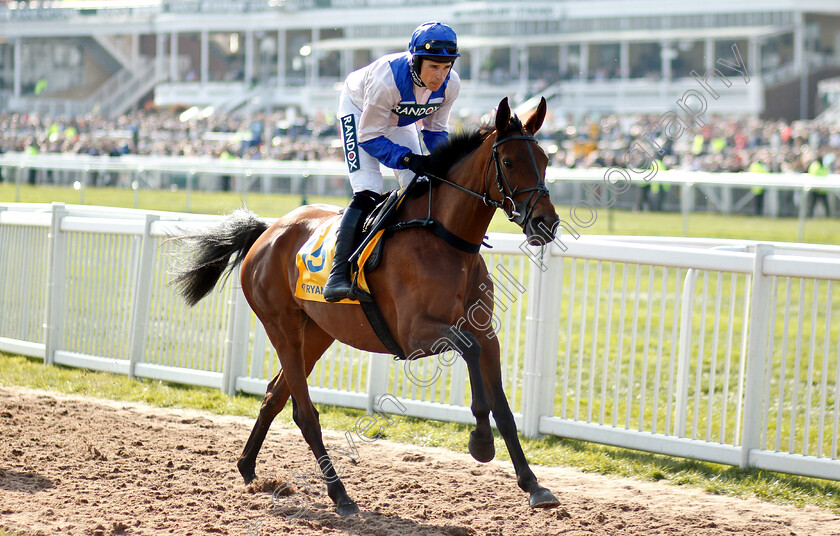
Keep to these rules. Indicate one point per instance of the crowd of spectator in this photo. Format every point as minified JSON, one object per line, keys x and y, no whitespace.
{"x":722,"y":144}
{"x":275,"y":136}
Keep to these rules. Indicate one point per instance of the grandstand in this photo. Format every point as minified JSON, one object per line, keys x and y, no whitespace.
{"x":244,"y":56}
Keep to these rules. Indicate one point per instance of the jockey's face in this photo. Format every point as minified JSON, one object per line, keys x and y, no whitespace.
{"x":434,"y":73}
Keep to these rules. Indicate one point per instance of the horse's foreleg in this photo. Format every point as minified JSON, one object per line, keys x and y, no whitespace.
{"x":491,"y":371}
{"x":481,"y":439}
{"x":540,"y":497}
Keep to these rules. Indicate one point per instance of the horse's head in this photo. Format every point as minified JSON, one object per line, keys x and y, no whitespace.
{"x":520,"y":164}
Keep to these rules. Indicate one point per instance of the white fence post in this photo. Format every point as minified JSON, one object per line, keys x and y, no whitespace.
{"x":549,"y":336}
{"x":55,"y":284}
{"x":684,"y":356}
{"x":2,"y":253}
{"x":236,"y":344}
{"x":142,"y":295}
{"x":377,"y":380}
{"x":540,"y":360}
{"x":18,"y":179}
{"x":803,"y":202}
{"x":459,"y":382}
{"x":686,"y":204}
{"x":258,"y":351}
{"x":756,"y":355}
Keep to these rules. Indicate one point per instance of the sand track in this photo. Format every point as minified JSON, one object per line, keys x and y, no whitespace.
{"x":88,"y":467}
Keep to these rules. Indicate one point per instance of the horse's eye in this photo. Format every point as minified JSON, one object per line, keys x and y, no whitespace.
{"x":507,"y":162}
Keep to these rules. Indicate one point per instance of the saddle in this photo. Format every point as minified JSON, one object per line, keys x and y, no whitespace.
{"x":315,"y":256}
{"x":378,"y":220}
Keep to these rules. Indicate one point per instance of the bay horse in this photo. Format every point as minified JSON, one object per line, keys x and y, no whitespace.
{"x":423,"y":286}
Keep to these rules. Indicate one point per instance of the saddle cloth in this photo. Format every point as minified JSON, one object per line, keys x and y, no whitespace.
{"x":314,"y":261}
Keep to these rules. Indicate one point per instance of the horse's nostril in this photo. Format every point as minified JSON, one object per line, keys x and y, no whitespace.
{"x":543,"y":226}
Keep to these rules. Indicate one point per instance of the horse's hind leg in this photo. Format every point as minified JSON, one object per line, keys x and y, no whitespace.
{"x":314,"y":343}
{"x":290,"y":335}
{"x":275,"y":399}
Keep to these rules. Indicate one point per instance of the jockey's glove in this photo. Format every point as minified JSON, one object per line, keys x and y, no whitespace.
{"x":418,"y":163}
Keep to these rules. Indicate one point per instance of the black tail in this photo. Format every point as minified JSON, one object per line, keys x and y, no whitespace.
{"x":209,"y":251}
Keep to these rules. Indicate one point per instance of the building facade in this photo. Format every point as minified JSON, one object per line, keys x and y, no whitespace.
{"x":593,"y":56}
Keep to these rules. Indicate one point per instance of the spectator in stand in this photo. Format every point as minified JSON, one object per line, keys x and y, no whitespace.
{"x":818,"y":170}
{"x":759,"y":166}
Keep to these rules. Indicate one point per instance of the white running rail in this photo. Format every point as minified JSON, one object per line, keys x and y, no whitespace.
{"x":724,"y":351}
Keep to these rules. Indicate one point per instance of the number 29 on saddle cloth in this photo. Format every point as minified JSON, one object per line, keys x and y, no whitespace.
{"x":314,"y":261}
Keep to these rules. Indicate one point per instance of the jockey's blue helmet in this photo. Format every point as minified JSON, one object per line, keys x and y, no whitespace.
{"x":435,"y":41}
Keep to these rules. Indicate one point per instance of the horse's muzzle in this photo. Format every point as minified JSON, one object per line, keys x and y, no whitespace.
{"x":540,"y":229}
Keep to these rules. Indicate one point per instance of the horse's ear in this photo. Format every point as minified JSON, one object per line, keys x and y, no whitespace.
{"x":503,"y":116}
{"x":534,"y":122}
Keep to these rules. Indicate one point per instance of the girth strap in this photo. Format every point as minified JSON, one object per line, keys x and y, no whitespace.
{"x":377,"y":322}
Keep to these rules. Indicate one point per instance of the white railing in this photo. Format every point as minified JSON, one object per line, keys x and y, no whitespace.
{"x":725,"y":351}
{"x":696,"y":354}
{"x":695,"y":190}
{"x":114,"y":96}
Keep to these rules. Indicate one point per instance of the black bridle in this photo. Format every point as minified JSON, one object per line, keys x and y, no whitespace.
{"x":519,"y":213}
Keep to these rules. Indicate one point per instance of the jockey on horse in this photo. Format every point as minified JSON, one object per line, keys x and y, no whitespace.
{"x":377,"y":111}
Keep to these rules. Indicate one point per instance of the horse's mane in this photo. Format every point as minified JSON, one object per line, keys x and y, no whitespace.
{"x":461,"y":144}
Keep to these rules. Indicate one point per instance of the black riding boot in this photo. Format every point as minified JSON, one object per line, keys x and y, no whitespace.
{"x":346,"y":237}
{"x":338,"y":284}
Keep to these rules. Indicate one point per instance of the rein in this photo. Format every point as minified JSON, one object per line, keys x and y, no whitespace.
{"x":512,"y":210}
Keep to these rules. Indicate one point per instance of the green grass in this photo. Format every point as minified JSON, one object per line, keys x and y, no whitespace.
{"x":552,"y":451}
{"x":269,"y":206}
{"x":624,"y":222}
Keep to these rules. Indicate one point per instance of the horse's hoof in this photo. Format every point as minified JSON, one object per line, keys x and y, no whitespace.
{"x":482,"y":449}
{"x":542,"y":498}
{"x":246,"y":471}
{"x":347,"y":508}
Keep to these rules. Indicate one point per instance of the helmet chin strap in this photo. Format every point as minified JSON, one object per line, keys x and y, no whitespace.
{"x":414,"y":76}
